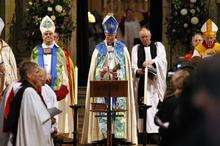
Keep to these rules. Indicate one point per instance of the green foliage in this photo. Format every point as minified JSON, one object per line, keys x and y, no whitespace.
{"x":186,"y":18}
{"x":58,"y":10}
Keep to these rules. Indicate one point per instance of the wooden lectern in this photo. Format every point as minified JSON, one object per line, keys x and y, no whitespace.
{"x":108,"y":89}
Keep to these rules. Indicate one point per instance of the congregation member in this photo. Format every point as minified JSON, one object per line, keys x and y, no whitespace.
{"x":167,"y":109}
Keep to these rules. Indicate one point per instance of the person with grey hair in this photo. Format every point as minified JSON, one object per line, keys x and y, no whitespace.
{"x":8,"y":67}
{"x":149,"y":66}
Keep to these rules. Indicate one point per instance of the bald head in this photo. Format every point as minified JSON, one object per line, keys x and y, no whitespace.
{"x":145,"y":36}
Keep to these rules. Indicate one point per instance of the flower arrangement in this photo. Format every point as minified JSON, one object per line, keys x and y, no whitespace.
{"x":186,"y":18}
{"x":58,"y":10}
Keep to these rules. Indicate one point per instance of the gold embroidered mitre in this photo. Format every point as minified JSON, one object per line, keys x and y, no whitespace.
{"x":209,"y":28}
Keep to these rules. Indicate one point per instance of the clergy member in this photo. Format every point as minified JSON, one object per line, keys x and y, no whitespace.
{"x":8,"y":67}
{"x":209,"y":46}
{"x":52,"y":58}
{"x":29,"y":121}
{"x":106,"y":56}
{"x":149,"y":68}
{"x":44,"y":90}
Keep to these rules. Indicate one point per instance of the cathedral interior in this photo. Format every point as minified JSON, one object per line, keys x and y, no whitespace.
{"x":157,"y":14}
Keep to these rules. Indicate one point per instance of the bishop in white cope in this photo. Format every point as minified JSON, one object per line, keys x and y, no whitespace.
{"x":106,"y":55}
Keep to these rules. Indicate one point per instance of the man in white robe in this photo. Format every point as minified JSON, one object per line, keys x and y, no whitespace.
{"x":101,"y":69}
{"x":149,"y":90}
{"x":29,"y":121}
{"x":47,"y":93}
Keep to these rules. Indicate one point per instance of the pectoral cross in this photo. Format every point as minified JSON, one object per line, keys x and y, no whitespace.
{"x":47,"y":51}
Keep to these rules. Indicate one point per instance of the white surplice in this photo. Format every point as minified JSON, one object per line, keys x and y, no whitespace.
{"x":34,"y":122}
{"x":153,"y":92}
{"x":48,"y":95}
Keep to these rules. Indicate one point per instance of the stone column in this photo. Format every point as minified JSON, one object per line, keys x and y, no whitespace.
{"x":9,"y":13}
{"x":73,"y":48}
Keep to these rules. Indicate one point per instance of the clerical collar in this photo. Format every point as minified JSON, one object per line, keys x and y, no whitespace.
{"x":46,"y":46}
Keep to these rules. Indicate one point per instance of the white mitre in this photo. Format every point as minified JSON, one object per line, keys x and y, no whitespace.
{"x":47,"y":24}
{"x":2,"y":24}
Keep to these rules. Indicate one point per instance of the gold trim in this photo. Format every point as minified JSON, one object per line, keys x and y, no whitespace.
{"x":209,"y":32}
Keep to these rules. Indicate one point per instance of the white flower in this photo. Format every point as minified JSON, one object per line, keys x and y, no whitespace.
{"x":193,"y":11}
{"x":59,"y":8}
{"x":192,"y":1}
{"x":49,"y":9}
{"x":174,"y":30}
{"x":45,"y":0}
{"x":185,"y":25}
{"x":30,"y":3}
{"x":91,"y":18}
{"x":53,"y":17}
{"x":194,"y":20}
{"x":183,"y":12}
